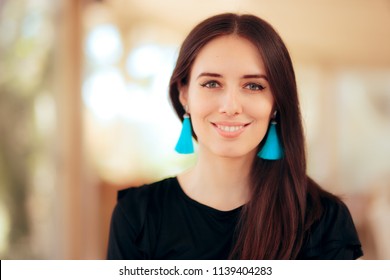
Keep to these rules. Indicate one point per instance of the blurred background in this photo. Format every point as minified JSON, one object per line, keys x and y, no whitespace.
{"x":84,"y":110}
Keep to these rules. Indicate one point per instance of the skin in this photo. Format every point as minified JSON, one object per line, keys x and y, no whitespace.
{"x":230,"y":103}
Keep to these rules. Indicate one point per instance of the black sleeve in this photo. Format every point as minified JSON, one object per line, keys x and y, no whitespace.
{"x":126,"y":226}
{"x":334,"y":236}
{"x":121,"y":239}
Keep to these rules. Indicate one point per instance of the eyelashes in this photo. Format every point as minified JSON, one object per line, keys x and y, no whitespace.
{"x":250,"y":86}
{"x":254,"y":86}
{"x":210,"y":84}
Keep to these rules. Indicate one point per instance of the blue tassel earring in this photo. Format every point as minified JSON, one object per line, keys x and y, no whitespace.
{"x":184,"y":144}
{"x":272,"y":149}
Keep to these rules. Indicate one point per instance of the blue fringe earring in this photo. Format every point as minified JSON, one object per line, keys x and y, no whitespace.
{"x":272,"y":149}
{"x":184,"y":144}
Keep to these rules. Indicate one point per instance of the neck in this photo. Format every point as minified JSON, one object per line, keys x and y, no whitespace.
{"x":219,"y":182}
{"x":224,"y":173}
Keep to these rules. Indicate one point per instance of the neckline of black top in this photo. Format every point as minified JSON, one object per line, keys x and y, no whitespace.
{"x":198,"y":204}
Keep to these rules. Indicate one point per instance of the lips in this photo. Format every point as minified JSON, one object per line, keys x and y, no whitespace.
{"x":227,"y":128}
{"x":230,"y":130}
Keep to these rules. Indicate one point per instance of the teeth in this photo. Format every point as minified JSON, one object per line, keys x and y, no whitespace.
{"x":230,"y":128}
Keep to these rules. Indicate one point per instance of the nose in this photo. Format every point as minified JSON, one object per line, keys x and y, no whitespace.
{"x":230,"y":103}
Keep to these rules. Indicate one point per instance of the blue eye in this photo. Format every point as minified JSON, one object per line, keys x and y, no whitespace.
{"x":210,"y":84}
{"x":254,"y":86}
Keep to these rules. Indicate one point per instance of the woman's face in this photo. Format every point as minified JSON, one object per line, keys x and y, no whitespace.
{"x":228,"y":97}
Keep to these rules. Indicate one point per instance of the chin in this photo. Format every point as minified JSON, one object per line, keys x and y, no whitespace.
{"x":233,"y":154}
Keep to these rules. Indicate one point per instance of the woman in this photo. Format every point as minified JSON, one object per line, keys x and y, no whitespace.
{"x":248,"y":195}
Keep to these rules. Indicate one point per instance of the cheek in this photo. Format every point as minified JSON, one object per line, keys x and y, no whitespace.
{"x":265,"y":112}
{"x":199,"y":109}
{"x":261,"y":109}
{"x":199,"y":113}
{"x":198,"y":103}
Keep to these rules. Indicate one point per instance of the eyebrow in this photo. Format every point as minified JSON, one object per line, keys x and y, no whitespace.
{"x":208,"y":74}
{"x":216,"y":75}
{"x":255,"y":76}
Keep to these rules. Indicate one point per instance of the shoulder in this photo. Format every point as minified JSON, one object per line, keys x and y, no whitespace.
{"x":332,"y":235}
{"x":134,"y":219}
{"x":335,"y":218}
{"x":144,"y":190}
{"x":142,"y":195}
{"x":136,"y":202}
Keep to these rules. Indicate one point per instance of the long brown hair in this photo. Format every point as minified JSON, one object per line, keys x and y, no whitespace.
{"x":272,"y":224}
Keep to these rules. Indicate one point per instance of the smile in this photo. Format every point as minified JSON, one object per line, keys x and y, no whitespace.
{"x":230,"y":130}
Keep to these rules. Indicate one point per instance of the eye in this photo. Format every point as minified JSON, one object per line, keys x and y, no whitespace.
{"x":211,"y":84}
{"x":254,"y":87}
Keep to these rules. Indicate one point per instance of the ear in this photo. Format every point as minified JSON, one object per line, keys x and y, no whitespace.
{"x":183,"y":95}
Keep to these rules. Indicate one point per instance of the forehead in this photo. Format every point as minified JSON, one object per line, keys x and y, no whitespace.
{"x":230,"y":54}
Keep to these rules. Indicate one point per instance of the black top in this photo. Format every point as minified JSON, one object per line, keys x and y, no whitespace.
{"x":159,"y":221}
